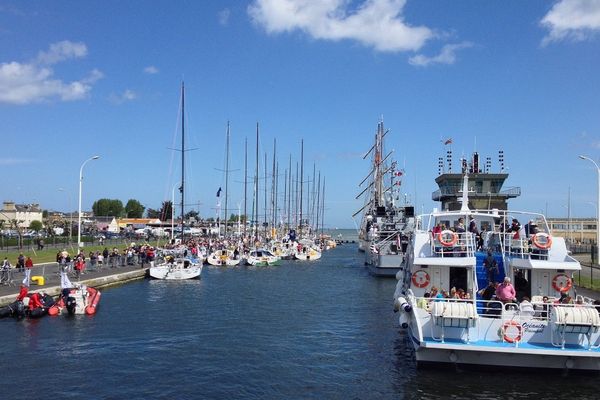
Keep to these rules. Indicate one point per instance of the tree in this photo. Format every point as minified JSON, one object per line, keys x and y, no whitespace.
{"x":134,"y":209}
{"x":192,"y":214}
{"x":152,"y":213}
{"x":36,"y":226}
{"x":108,"y":208}
{"x":166,"y":211}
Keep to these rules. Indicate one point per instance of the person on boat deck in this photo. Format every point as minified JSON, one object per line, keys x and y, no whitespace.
{"x":530,"y":228}
{"x":35,"y":302}
{"x":437,"y":229}
{"x":541,"y":310}
{"x":505,"y":291}
{"x":489,"y":291}
{"x":521,"y":285}
{"x":22,"y":293}
{"x":423,"y":302}
{"x":526,"y":307}
{"x":460,"y":227}
{"x":473,"y":226}
{"x":491,"y":266}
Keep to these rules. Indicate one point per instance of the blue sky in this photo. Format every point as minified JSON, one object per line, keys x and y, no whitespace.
{"x":103,"y":77}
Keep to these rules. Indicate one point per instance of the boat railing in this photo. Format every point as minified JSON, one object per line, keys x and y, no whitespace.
{"x":387,"y":242}
{"x":522,"y":247}
{"x":453,"y":244}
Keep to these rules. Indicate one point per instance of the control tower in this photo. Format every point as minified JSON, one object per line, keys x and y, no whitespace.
{"x":486,"y":190}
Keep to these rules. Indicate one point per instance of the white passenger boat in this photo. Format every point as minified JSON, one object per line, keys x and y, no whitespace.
{"x":223,"y":257}
{"x":554,"y":333}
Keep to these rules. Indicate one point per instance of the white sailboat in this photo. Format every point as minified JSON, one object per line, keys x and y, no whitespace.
{"x":178,"y":266}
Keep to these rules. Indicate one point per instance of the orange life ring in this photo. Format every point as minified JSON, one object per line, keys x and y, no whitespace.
{"x":448,"y":243}
{"x":512,"y":338}
{"x":544,"y":245}
{"x":420,"y":278}
{"x":559,"y":287}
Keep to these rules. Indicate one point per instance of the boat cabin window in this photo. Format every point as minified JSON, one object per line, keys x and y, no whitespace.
{"x":522,"y":283}
{"x":458,"y":278}
{"x":446,"y":223}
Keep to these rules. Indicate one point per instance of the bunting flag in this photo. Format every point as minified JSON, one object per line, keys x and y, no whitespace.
{"x":398,"y":173}
{"x":448,"y":141}
{"x":219,"y":192}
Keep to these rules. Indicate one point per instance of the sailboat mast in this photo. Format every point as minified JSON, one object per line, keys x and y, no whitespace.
{"x":273,"y":186}
{"x":245,"y":184}
{"x":323,"y":209}
{"x":318,"y":201}
{"x":301,"y":178}
{"x":226,"y":177}
{"x":289,"y":204}
{"x":182,"y":188}
{"x":256,"y":185}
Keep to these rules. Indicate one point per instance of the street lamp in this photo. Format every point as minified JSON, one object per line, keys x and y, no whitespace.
{"x":79,"y":210}
{"x":598,"y":211}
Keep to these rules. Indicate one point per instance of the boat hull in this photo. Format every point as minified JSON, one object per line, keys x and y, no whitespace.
{"x":175,"y":272}
{"x":384,"y":265}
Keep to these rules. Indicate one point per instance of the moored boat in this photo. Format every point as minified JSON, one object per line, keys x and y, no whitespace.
{"x":223,"y":257}
{"x":77,"y":301}
{"x":540,"y":322}
{"x":262,"y":258}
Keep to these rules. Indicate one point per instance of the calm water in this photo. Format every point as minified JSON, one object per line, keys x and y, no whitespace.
{"x":322,"y":330}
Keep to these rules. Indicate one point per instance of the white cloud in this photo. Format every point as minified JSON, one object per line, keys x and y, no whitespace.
{"x":62,"y":51}
{"x":375,"y":23}
{"x":25,"y":83}
{"x":151,"y":70}
{"x":447,"y":55}
{"x":224,"y":16}
{"x":14,"y":161}
{"x":572,"y":19}
{"x":127,"y":95}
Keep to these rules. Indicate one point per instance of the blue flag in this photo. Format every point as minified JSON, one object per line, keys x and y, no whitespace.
{"x":219,"y":192}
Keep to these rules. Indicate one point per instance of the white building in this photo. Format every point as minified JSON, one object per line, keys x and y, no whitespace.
{"x":24,"y":214}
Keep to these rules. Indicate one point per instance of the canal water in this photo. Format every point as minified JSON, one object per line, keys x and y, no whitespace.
{"x":316,"y":330}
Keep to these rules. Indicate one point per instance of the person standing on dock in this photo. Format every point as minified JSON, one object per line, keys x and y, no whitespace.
{"x":21,"y":262}
{"x":28,"y":266}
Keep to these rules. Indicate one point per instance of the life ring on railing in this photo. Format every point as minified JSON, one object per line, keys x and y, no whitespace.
{"x":508,"y":331}
{"x":420,"y":278}
{"x":447,"y":243}
{"x":562,"y":283}
{"x":542,"y":245}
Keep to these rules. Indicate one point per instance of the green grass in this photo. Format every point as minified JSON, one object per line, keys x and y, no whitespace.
{"x":49,"y":253}
{"x":589,"y":282}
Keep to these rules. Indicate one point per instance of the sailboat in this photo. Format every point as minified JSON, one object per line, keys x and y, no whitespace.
{"x":386,"y":226}
{"x":177,"y":264}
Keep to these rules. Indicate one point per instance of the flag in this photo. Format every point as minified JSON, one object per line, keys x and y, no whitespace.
{"x":219,"y":192}
{"x":448,"y":141}
{"x":398,"y":173}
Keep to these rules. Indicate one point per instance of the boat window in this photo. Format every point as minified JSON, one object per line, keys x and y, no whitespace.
{"x":486,"y":226}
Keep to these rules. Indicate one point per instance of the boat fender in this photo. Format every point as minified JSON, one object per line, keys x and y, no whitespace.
{"x":404,"y":320}
{"x":404,"y":304}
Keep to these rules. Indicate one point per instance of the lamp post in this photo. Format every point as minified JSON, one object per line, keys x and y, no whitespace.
{"x":79,"y":210}
{"x":598,"y":211}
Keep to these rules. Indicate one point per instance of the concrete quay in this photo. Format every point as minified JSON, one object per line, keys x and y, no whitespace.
{"x":97,"y":278}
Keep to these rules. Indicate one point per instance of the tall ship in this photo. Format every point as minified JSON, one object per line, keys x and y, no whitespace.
{"x":387,"y":218}
{"x":484,"y":285}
